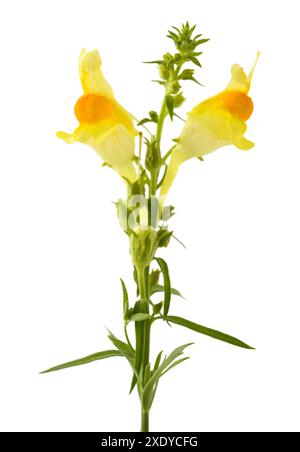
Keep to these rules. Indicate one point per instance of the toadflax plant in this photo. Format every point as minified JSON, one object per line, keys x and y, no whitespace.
{"x":148,"y":172}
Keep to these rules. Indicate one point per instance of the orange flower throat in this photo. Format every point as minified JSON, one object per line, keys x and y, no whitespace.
{"x":92,"y":108}
{"x":237,"y":103}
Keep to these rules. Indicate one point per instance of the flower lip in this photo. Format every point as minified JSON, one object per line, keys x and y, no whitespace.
{"x":237,"y":103}
{"x":91,"y":108}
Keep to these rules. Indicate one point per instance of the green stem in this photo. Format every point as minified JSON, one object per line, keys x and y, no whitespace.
{"x":144,"y":421}
{"x":127,"y":337}
{"x":141,"y":274}
{"x":153,"y":183}
{"x":143,"y":281}
{"x":144,"y":335}
{"x":160,"y":122}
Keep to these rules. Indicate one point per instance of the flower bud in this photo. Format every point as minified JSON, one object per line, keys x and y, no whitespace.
{"x":163,"y":72}
{"x":153,"y":156}
{"x":173,"y":87}
{"x":143,"y":245}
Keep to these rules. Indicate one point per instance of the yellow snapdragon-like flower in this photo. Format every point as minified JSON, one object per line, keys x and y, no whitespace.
{"x":103,"y":123}
{"x":218,"y":121}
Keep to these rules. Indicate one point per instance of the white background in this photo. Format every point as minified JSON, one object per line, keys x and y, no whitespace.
{"x":62,"y":251}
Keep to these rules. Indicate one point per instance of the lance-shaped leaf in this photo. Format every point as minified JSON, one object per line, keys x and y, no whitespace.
{"x":122,"y":347}
{"x":85,"y":360}
{"x":170,"y":105}
{"x":167,"y":284}
{"x":139,"y":312}
{"x":140,"y":317}
{"x":179,"y":361}
{"x":160,"y":288}
{"x":125,"y":300}
{"x":208,"y":331}
{"x":151,"y":386}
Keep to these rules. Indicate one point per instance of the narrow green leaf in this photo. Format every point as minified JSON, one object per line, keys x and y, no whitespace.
{"x":156,"y":308}
{"x":129,"y":354}
{"x":85,"y":360}
{"x":196,"y":81}
{"x":172,"y":35}
{"x":179,"y":361}
{"x":167,"y":284}
{"x":187,"y":74}
{"x":195,"y":61}
{"x":157,"y":361}
{"x":125,"y":300}
{"x":139,"y":308}
{"x":147,"y":373}
{"x":164,"y":237}
{"x":170,"y":105}
{"x":123,"y":348}
{"x":207,"y":331}
{"x":135,"y":277}
{"x":144,"y":121}
{"x":170,"y":358}
{"x":160,"y":288}
{"x":160,"y":82}
{"x":139,"y":317}
{"x":150,"y":388}
{"x":154,"y":277}
{"x":201,"y":41}
{"x":153,"y":62}
{"x":133,"y":383}
{"x":153,"y":116}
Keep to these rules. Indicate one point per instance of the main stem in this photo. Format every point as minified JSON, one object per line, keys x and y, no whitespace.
{"x":143,"y":282}
{"x":144,"y":421}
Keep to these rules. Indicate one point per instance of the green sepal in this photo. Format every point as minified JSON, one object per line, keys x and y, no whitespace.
{"x":164,"y":237}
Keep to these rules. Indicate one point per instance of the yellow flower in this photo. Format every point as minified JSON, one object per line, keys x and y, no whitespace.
{"x":103,"y":123}
{"x":218,"y":121}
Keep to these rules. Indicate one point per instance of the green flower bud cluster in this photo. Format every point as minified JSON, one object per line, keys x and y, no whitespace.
{"x":170,"y":66}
